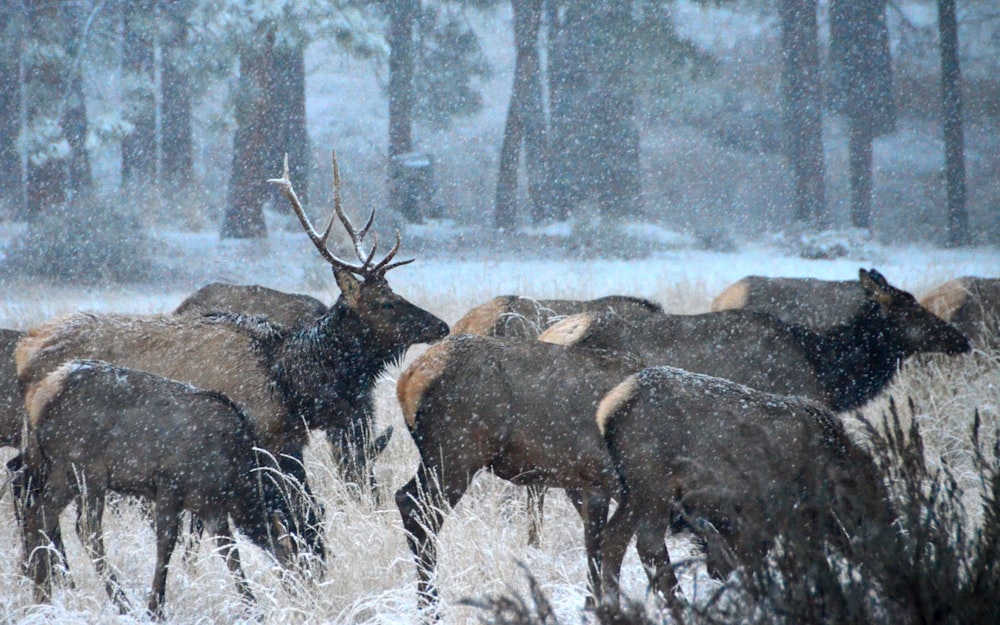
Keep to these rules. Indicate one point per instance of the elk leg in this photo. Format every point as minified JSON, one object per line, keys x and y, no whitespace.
{"x":535,"y":504}
{"x":420,"y":504}
{"x":44,"y":502}
{"x":307,"y":509}
{"x":225,"y":537}
{"x":654,"y":556}
{"x":614,"y":542}
{"x":89,"y":527}
{"x":167,"y":523}
{"x":593,"y":510}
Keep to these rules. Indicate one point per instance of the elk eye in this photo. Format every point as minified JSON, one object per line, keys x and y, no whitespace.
{"x":387,"y":306}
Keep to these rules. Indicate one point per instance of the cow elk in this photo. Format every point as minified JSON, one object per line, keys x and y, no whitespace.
{"x":810,"y":302}
{"x":291,"y":310}
{"x":843,"y":367}
{"x":96,"y":427}
{"x":320,"y":375}
{"x":524,"y":317}
{"x":12,"y":415}
{"x":519,"y":317}
{"x":972,"y":305}
{"x":522,"y":409}
{"x":736,"y":466}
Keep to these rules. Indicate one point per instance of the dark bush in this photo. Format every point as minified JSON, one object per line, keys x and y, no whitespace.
{"x":89,"y":240}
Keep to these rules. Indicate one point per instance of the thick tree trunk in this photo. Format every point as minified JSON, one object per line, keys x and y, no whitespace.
{"x":176,"y":135}
{"x":11,"y":170}
{"x":139,"y":146}
{"x":954,"y":142}
{"x":801,"y":97}
{"x":402,"y":16}
{"x":860,"y":166}
{"x":288,"y":110}
{"x":253,"y":147}
{"x":527,"y":18}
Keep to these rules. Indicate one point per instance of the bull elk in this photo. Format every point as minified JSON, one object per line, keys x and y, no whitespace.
{"x":95,"y":427}
{"x":522,"y":409}
{"x":842,"y":367}
{"x":292,"y":310}
{"x":524,"y":317}
{"x":971,"y":304}
{"x":320,"y":375}
{"x":816,"y":304}
{"x":737,"y":466}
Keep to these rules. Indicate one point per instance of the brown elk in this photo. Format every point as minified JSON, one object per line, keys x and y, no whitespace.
{"x":11,"y":403}
{"x":96,"y":427}
{"x":735,"y":465}
{"x":288,"y":380}
{"x":525,"y":317}
{"x":810,"y":302}
{"x":971,"y":304}
{"x":516,"y":316}
{"x":843,"y":367}
{"x":522,"y":409}
{"x":288,"y":309}
{"x":292,"y":310}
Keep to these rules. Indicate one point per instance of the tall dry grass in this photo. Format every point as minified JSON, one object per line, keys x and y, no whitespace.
{"x":483,"y":547}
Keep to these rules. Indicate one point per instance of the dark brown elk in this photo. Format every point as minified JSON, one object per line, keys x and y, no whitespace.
{"x":96,"y":427}
{"x":843,"y":367}
{"x":735,"y":465}
{"x":522,"y":409}
{"x":516,"y":316}
{"x":292,"y":310}
{"x":11,"y":402}
{"x":816,"y":304}
{"x":288,"y":309}
{"x":972,"y":305}
{"x":525,"y":317}
{"x":287,"y":380}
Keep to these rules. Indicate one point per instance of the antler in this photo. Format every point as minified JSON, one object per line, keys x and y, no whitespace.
{"x":365,"y":269}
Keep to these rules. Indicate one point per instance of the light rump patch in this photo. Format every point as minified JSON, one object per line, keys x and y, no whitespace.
{"x":481,"y":319}
{"x":946,"y":299}
{"x":569,"y":331}
{"x":33,"y":341}
{"x":735,"y":296}
{"x":418,"y":377}
{"x":39,"y":396}
{"x":614,"y":400}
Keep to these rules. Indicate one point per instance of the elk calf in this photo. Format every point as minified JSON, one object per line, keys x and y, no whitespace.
{"x":737,"y":466}
{"x":522,"y":409}
{"x":972,"y":305}
{"x":843,"y":367}
{"x":95,"y":427}
{"x":524,"y":317}
{"x":816,"y":304}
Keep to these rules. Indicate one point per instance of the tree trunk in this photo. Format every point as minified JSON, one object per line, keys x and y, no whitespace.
{"x":139,"y":146}
{"x":45,"y":87}
{"x":288,"y":89}
{"x":803,"y":109}
{"x":253,"y":147}
{"x":176,"y":137}
{"x":951,"y":108}
{"x":527,"y":18}
{"x":11,"y":171}
{"x":402,"y":15}
{"x":862,"y":89}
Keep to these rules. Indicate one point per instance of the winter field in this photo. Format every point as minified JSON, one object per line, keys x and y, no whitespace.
{"x":370,"y":576}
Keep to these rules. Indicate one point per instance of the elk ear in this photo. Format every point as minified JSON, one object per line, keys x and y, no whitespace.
{"x":349,"y":285}
{"x":876,"y":286}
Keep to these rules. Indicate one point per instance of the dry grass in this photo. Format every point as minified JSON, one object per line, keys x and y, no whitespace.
{"x":370,"y":576}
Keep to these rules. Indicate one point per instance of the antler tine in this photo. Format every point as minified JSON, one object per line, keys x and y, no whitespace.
{"x":384,"y":265}
{"x":356,"y":237}
{"x":285,"y":182}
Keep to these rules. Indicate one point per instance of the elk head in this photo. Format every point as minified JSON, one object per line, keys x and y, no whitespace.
{"x":914,"y":328}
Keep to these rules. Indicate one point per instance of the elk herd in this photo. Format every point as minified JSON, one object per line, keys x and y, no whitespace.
{"x":724,"y":424}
